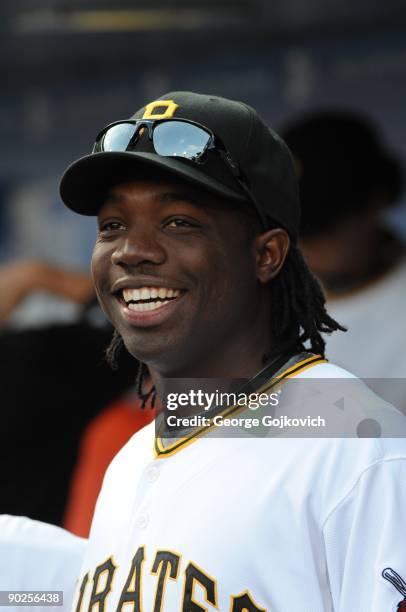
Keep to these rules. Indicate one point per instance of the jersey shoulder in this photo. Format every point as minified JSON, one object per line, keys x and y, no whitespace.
{"x":326,"y":370}
{"x":354,"y":408}
{"x":132,"y":457}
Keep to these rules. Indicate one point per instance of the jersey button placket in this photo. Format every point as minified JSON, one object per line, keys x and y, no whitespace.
{"x":142,"y":521}
{"x":153,"y":474}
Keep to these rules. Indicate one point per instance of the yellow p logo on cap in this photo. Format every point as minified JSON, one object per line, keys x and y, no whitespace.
{"x":168,"y":109}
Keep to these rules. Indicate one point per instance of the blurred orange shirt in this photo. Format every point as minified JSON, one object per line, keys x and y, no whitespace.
{"x":103,"y":438}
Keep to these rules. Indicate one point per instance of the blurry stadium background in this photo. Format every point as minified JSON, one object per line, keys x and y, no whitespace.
{"x":70,"y":67}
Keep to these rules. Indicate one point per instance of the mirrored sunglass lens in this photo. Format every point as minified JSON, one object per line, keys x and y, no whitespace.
{"x":118,"y":137}
{"x":178,"y":139}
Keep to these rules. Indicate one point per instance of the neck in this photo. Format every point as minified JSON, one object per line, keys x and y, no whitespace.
{"x":238,"y":357}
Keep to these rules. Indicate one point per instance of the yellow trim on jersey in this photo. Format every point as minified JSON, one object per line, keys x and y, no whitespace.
{"x":160,"y":451}
{"x":294,"y":370}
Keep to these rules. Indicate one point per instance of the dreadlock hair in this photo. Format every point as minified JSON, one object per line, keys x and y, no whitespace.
{"x":298,"y":318}
{"x":299,"y":315}
{"x":113,"y":352}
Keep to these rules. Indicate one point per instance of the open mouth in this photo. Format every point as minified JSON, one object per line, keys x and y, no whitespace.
{"x":148,"y":298}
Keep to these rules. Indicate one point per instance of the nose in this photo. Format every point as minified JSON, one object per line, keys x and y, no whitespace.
{"x":138,"y":247}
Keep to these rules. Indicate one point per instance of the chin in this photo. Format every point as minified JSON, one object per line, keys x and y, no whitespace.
{"x":149,"y":350}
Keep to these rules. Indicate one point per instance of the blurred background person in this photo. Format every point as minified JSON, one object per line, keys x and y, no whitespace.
{"x":348,"y":179}
{"x":54,"y":379}
{"x":20,"y":280}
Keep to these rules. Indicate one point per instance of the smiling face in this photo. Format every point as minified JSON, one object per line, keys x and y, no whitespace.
{"x":175,"y":272}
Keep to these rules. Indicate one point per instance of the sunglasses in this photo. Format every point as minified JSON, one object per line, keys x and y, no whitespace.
{"x":171,"y":138}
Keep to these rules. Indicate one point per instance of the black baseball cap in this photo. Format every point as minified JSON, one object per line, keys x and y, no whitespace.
{"x":344,"y":167}
{"x":261,"y":155}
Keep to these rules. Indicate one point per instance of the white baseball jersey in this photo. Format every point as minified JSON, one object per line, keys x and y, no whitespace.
{"x":35,"y":556}
{"x":246,"y":524}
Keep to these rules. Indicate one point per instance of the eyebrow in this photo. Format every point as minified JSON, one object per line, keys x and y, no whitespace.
{"x":113,"y":198}
{"x":177,"y":196}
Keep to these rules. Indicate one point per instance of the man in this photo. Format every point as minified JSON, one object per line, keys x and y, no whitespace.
{"x":196,"y":265}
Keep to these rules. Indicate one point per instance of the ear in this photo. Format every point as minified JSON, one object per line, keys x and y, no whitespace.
{"x":271,"y":249}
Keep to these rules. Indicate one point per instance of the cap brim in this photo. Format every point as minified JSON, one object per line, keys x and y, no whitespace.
{"x":85,"y":183}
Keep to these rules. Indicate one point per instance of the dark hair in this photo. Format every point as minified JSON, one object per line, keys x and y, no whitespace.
{"x":298,"y":315}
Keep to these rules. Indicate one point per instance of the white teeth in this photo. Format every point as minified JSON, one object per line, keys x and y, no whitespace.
{"x":131,"y":295}
{"x":148,"y":293}
{"x":149,"y":306}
